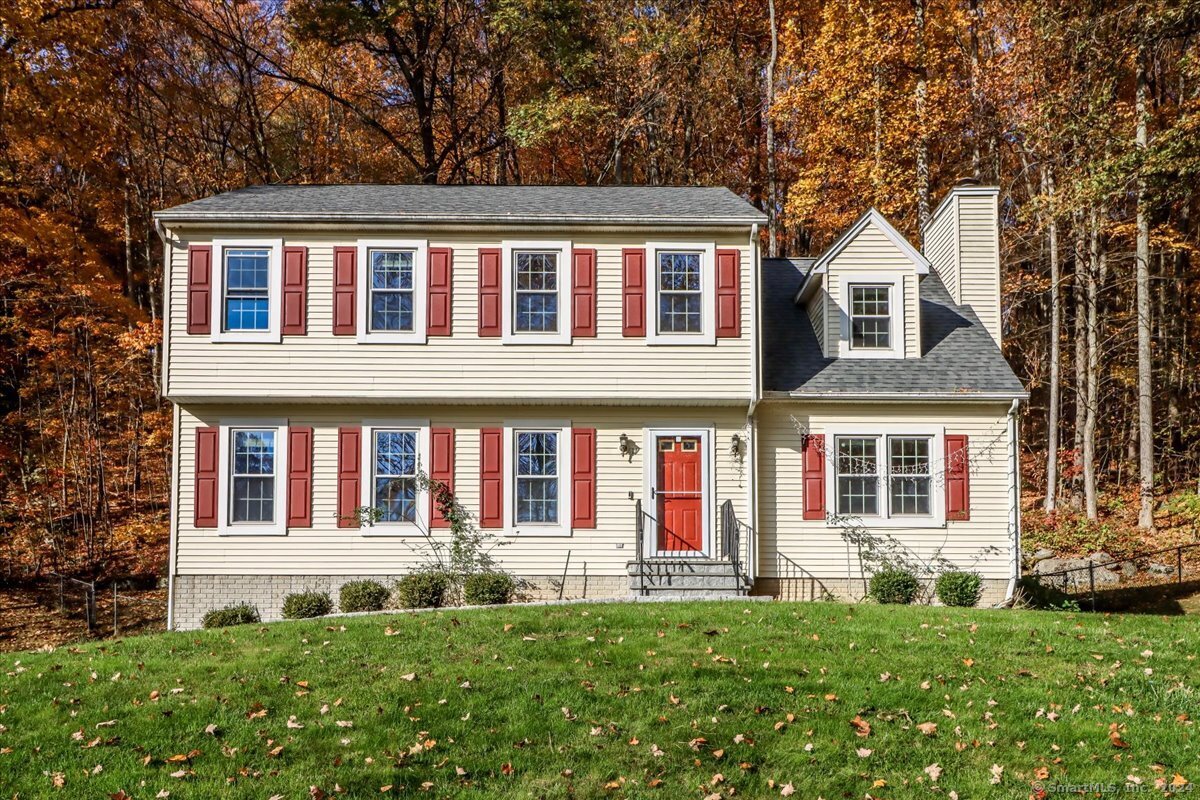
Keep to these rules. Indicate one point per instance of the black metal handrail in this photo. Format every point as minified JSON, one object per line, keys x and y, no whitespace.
{"x":1092,"y":566}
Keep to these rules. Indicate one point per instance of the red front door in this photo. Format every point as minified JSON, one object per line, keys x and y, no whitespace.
{"x":680,"y":494}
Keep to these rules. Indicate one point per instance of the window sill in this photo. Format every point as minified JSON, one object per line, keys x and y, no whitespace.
{"x":413,"y":337}
{"x":252,"y":530}
{"x":538,"y":531}
{"x":249,"y":337}
{"x":392,"y":529}
{"x":535,"y":338}
{"x":891,"y":523}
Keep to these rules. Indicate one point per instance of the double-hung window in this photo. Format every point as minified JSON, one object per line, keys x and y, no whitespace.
{"x":395,"y":453}
{"x":246,"y":295}
{"x":252,"y":496}
{"x":680,"y":296}
{"x":536,"y":285}
{"x":870,"y":317}
{"x":537,"y":458}
{"x":885,"y":476}
{"x":679,"y":293}
{"x":392,"y":293}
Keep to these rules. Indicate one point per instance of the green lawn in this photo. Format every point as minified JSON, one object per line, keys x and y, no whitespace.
{"x":613,"y":700}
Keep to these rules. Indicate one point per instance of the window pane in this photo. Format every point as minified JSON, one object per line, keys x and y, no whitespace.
{"x":908,"y":463}
{"x":396,"y":453}
{"x":253,"y":499}
{"x":679,"y":272}
{"x":391,"y":311}
{"x":537,"y":500}
{"x":871,"y":332}
{"x":857,"y":471}
{"x":252,"y":490}
{"x":537,"y":454}
{"x":247,"y":269}
{"x":396,"y":499}
{"x":391,"y":269}
{"x":910,"y":496}
{"x":247,"y":314}
{"x":859,"y":496}
{"x":537,"y":312}
{"x":537,"y":477}
{"x":678,"y":313}
{"x":537,"y":272}
{"x":254,"y":452}
{"x":395,"y":486}
{"x":858,"y":456}
{"x":870,"y":301}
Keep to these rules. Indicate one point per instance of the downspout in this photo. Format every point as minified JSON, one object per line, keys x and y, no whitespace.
{"x":755,"y":391}
{"x":1014,"y":500}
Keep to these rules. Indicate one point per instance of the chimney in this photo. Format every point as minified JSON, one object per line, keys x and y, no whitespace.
{"x":962,"y":243}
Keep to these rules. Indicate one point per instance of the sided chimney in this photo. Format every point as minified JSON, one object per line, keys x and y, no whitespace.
{"x":962,"y":242}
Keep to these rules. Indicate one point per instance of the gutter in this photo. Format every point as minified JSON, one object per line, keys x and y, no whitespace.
{"x":475,"y":219}
{"x":1014,"y":508}
{"x":899,"y":397}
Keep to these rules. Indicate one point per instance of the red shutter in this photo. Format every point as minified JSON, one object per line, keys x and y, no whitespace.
{"x":491,"y":478}
{"x":583,"y":293}
{"x":814,"y":476}
{"x":729,"y":300}
{"x":349,"y":476}
{"x":199,"y":289}
{"x":437,"y":312}
{"x":583,"y":477}
{"x":633,"y":300}
{"x":345,"y":302}
{"x":295,"y":291}
{"x":958,"y":478}
{"x":299,"y":477}
{"x":489,"y":291}
{"x":207,"y":469}
{"x":441,"y":468}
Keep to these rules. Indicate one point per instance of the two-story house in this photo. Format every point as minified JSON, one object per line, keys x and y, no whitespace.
{"x":610,"y":378}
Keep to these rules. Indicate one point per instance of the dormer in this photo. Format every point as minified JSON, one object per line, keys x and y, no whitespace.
{"x":862,"y":293}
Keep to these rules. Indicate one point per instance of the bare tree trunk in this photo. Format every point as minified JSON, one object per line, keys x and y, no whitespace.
{"x":1081,"y":356}
{"x":1055,"y":355}
{"x":1095,"y":257}
{"x":772,"y":191}
{"x":923,"y":207}
{"x":1144,"y":363}
{"x":877,"y":170}
{"x":976,"y":95}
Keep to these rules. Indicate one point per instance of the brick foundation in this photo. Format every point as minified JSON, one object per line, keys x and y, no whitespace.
{"x":809,"y":588}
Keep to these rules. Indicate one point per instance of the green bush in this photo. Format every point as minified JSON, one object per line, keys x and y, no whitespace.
{"x":241,"y":614}
{"x":488,"y":589}
{"x":362,"y":596}
{"x":304,"y":605}
{"x":423,"y":589}
{"x":959,"y":588}
{"x":894,"y":586}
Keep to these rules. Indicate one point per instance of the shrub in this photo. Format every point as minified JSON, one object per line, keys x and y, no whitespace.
{"x":959,"y":588}
{"x":304,"y":605}
{"x":241,"y":614}
{"x":362,"y":596}
{"x":488,"y":589}
{"x":423,"y":589}
{"x":894,"y":586}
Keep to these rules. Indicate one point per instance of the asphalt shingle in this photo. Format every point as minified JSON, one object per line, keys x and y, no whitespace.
{"x":382,"y":202}
{"x":958,"y":357}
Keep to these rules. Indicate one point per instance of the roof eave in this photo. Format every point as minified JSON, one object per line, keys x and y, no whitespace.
{"x":475,"y":219}
{"x":898,"y":397}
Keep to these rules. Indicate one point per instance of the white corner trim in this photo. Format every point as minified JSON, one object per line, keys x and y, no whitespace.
{"x":937,"y":496}
{"x":707,"y":434}
{"x":528,"y":530}
{"x":708,"y":288}
{"x":367,"y":462}
{"x":278,"y":527}
{"x":508,"y":267}
{"x":420,"y":250}
{"x":274,"y":290}
{"x":895,"y":303}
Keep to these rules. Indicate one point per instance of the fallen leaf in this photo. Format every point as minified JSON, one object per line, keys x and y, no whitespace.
{"x":934,"y":771}
{"x":997,"y":774}
{"x":788,"y":790}
{"x":928,"y":728}
{"x":861,"y":726}
{"x":863,"y":752}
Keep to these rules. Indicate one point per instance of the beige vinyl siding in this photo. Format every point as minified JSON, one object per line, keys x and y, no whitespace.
{"x":815,"y":549}
{"x":872,"y":252}
{"x":463,"y":367}
{"x":816,"y":316}
{"x":979,"y":270}
{"x":941,"y":246}
{"x":326,"y":549}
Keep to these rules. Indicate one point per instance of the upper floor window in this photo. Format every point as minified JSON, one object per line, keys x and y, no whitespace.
{"x":392,"y":300}
{"x":680,"y":302}
{"x":537,"y":292}
{"x":887,"y":477}
{"x":870,"y":317}
{"x":251,"y":499}
{"x":246,"y":297}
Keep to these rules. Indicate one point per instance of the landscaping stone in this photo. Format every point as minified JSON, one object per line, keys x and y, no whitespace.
{"x":1160,"y":569}
{"x":1041,"y":555}
{"x":1103,"y":575}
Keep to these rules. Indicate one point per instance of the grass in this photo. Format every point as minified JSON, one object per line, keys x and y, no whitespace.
{"x":616,"y":700}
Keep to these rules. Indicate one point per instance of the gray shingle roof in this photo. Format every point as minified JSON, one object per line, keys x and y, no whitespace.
{"x":419,"y":203}
{"x":958,"y":357}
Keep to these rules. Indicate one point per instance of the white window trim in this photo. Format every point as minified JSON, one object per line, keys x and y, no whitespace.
{"x":650,"y":485}
{"x":421,"y":524}
{"x":417,"y":335}
{"x":274,"y":290}
{"x":527,"y":530}
{"x":895,"y":301}
{"x":225,"y":478}
{"x":708,"y":288}
{"x":508,"y":268}
{"x":937,"y":488}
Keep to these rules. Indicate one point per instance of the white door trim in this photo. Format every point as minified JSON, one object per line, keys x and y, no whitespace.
{"x":650,"y":488}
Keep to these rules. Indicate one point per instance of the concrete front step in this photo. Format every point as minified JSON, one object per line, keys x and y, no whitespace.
{"x":685,"y":578}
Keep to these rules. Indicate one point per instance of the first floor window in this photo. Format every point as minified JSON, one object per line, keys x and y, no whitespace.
{"x":252,"y":488}
{"x":395,"y":475}
{"x":536,"y":293}
{"x":246,"y":304}
{"x":392,"y":287}
{"x":536,"y":465}
{"x":679,"y":293}
{"x":870,"y":318}
{"x":884,"y":476}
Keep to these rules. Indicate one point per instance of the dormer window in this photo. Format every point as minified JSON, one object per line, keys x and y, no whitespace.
{"x":870,"y":317}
